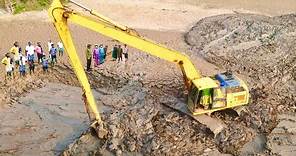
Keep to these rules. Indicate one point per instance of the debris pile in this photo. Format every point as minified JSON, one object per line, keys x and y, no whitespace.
{"x":138,"y":124}
{"x":263,"y":51}
{"x":260,"y":49}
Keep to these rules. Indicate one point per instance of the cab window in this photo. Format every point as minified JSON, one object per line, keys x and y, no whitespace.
{"x":194,"y":94}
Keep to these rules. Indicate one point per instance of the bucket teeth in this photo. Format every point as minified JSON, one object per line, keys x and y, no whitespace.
{"x":100,"y":130}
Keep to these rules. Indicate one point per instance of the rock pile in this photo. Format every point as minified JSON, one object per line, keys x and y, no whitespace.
{"x":263,"y":51}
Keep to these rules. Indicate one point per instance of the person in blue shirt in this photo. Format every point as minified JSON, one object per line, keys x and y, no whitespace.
{"x":101,"y":54}
{"x":53,"y":54}
{"x":22,"y":67}
{"x":45,"y":64}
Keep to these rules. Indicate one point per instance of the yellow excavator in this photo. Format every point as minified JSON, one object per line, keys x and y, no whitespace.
{"x":205,"y":94}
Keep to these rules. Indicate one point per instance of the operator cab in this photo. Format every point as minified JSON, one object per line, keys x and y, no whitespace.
{"x":220,"y":92}
{"x":201,"y":93}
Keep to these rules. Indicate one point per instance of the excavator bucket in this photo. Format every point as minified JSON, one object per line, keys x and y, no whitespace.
{"x":98,"y":127}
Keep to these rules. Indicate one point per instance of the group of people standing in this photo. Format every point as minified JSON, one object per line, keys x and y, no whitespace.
{"x":99,"y":53}
{"x":16,"y":58}
{"x":118,"y":53}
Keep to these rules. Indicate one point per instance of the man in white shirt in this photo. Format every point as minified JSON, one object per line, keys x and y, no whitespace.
{"x":125,"y":52}
{"x":60,"y":48}
{"x":60,"y":45}
{"x":30,"y":51}
{"x":22,"y":67}
{"x":49,"y":43}
{"x":23,"y":60}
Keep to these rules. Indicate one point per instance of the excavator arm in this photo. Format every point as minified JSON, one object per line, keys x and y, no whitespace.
{"x":111,"y":29}
{"x":202,"y":90}
{"x":62,"y":16}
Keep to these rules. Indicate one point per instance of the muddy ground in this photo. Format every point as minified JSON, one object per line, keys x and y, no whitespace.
{"x":260,"y":49}
{"x":38,"y":114}
{"x":263,"y":50}
{"x":139,"y":80}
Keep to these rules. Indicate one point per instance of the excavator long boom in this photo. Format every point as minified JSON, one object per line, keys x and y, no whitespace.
{"x":61,"y":17}
{"x":121,"y":33}
{"x":206,"y":94}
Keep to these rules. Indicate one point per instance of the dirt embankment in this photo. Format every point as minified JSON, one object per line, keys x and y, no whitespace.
{"x":261,"y":49}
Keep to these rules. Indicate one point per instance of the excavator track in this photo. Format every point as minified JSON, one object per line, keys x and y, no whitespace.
{"x":215,"y":125}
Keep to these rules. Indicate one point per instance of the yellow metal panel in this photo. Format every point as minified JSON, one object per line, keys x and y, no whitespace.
{"x":244,"y":85}
{"x":205,"y":83}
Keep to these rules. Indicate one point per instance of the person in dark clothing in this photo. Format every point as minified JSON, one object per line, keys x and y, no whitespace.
{"x":88,"y":56}
{"x":105,"y":50}
{"x":119,"y":53}
{"x":125,"y":52}
{"x":114,"y":53}
{"x":31,"y":67}
{"x":45,"y":64}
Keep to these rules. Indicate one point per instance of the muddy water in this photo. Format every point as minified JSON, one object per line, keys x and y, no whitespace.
{"x":43,"y":122}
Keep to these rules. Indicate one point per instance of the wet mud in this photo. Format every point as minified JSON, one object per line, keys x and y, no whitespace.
{"x":44,"y":122}
{"x":251,"y":46}
{"x":262,"y":51}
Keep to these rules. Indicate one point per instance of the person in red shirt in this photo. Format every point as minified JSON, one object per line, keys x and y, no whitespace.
{"x":39,"y":51}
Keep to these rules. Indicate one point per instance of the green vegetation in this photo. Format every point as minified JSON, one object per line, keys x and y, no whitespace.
{"x":27,"y":5}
